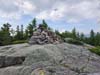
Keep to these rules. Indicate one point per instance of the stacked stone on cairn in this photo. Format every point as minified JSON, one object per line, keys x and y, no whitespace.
{"x":44,"y":36}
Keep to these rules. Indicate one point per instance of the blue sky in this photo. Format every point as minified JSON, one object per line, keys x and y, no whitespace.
{"x":62,"y":15}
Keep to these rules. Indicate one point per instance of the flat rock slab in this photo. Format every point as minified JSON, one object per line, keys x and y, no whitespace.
{"x":50,"y":59}
{"x":94,"y":74}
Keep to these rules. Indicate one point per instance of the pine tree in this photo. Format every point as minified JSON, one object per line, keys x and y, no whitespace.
{"x":74,"y":35}
{"x":45,"y":25}
{"x":17,"y":36}
{"x":82,"y":37}
{"x":97,"y":39}
{"x":13,"y":32}
{"x":26,"y":35}
{"x":22,"y":33}
{"x":92,"y":37}
{"x":5,"y":34}
{"x":1,"y":37}
{"x":57,"y":32}
{"x":31,"y":27}
{"x":34,"y":23}
{"x":78,"y":36}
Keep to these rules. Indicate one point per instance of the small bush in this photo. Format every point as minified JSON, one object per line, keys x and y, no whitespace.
{"x":95,"y":50}
{"x":73,"y":41}
{"x":19,"y":41}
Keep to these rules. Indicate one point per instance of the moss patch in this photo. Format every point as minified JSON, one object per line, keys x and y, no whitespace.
{"x":95,"y":50}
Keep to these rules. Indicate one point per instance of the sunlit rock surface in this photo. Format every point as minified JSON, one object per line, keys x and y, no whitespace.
{"x":50,"y":59}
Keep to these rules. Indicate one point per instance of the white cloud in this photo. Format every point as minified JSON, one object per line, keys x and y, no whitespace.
{"x":73,"y":11}
{"x":69,"y":10}
{"x":9,"y":15}
{"x":72,"y":20}
{"x":26,"y":7}
{"x":15,"y":9}
{"x":43,"y":15}
{"x":58,"y":12}
{"x":62,"y":30}
{"x":54,"y":13}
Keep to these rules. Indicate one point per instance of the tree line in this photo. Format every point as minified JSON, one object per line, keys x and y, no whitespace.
{"x":9,"y":35}
{"x":92,"y":39}
{"x":21,"y":35}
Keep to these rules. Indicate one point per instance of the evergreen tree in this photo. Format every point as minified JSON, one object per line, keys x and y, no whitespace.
{"x":57,"y":32}
{"x":82,"y":37}
{"x":92,"y":37}
{"x":45,"y":25}
{"x":1,"y":38}
{"x":17,"y":36}
{"x":31,"y":27}
{"x":97,"y":39}
{"x":22,"y":33}
{"x":5,"y":34}
{"x":26,"y":35}
{"x":74,"y":35}
{"x":66,"y":34}
{"x":12,"y":31}
{"x":78,"y":36}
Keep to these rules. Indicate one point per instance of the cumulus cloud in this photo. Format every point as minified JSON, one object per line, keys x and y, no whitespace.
{"x":14,"y":9}
{"x":72,"y":11}
{"x":55,"y":13}
{"x":68,"y":10}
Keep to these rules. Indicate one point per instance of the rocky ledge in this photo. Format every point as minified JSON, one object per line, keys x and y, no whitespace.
{"x":50,"y":59}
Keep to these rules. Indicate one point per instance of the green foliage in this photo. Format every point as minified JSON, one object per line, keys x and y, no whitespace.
{"x":22,"y":32}
{"x":95,"y":50}
{"x":5,"y":37}
{"x":97,"y":39}
{"x":82,"y":37}
{"x":92,"y":37}
{"x":44,"y":24}
{"x":73,"y":41}
{"x":8,"y":35}
{"x":17,"y":36}
{"x":26,"y":34}
{"x":57,"y":32}
{"x":66,"y":34}
{"x":19,"y":41}
{"x":19,"y":33}
{"x":31,"y":27}
{"x":74,"y":35}
{"x":1,"y":37}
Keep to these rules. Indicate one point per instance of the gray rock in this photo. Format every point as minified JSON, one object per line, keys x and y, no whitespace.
{"x":10,"y":60}
{"x":12,"y":70}
{"x":50,"y":59}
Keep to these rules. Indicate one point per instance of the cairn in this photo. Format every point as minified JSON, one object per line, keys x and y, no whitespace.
{"x":44,"y":36}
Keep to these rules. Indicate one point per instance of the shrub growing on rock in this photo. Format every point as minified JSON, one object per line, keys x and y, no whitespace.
{"x":95,"y":50}
{"x":19,"y":41}
{"x":73,"y":41}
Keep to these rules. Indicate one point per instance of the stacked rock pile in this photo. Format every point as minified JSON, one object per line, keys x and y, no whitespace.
{"x":44,"y":36}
